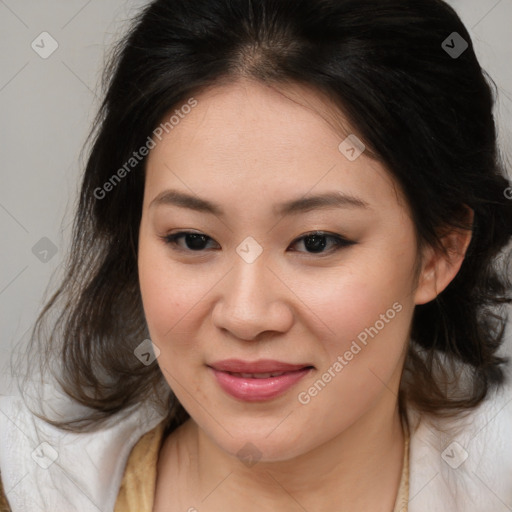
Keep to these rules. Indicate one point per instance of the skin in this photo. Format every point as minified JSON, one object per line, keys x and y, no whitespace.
{"x":247,"y":147}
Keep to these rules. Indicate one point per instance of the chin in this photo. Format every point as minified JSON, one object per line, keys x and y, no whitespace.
{"x":260,"y":448}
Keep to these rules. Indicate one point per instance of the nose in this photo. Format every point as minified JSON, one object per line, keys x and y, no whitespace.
{"x":253,"y":300}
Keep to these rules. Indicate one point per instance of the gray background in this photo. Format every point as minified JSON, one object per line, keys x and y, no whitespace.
{"x":47,"y":109}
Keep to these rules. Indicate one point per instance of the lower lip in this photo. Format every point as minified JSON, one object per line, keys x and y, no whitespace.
{"x":257,"y":390}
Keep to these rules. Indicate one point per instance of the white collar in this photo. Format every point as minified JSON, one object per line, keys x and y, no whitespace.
{"x":87,"y":472}
{"x":89,"y":467}
{"x":468,"y":468}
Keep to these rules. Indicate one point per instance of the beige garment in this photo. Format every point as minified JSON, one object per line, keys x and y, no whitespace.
{"x":4,"y":506}
{"x":402,"y":499}
{"x":137,"y":490}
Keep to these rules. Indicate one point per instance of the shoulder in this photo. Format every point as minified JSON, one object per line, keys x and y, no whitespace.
{"x":464,"y":464}
{"x":43,"y":467}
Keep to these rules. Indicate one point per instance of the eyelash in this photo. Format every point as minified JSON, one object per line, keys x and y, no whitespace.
{"x":339,"y":241}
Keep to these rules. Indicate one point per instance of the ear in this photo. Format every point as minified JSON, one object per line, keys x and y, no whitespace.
{"x":439,"y":269}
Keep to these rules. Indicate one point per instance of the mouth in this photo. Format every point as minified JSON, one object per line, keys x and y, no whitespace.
{"x":261,"y":375}
{"x":257,"y":381}
{"x":262,"y":366}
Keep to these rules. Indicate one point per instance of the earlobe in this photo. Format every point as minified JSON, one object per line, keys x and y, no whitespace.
{"x":440,"y":268}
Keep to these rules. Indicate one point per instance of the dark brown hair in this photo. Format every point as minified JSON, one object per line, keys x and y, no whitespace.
{"x":421,"y":111}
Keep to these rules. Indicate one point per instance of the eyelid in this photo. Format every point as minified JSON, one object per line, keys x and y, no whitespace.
{"x":340,"y":242}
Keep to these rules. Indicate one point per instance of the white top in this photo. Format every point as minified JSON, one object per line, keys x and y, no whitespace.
{"x":46,"y":469}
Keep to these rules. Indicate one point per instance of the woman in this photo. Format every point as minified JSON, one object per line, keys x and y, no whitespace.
{"x":218,"y":355}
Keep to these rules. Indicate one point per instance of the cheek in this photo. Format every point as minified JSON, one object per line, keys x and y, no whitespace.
{"x":167,"y":294}
{"x":365,"y":311}
{"x":167,"y":306}
{"x":174,"y":297}
{"x":355,"y":301}
{"x":362,"y":349}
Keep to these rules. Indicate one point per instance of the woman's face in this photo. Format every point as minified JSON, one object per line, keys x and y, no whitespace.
{"x":256,"y":287}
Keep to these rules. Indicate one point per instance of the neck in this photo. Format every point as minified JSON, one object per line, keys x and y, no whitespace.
{"x":359,"y":469}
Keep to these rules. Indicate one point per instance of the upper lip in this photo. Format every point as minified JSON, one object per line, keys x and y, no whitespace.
{"x":261,"y":366}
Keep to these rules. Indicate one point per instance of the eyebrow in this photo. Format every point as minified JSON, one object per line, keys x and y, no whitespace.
{"x":295,"y":206}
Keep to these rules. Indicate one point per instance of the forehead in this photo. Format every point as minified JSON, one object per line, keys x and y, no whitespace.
{"x":259,"y":142}
{"x":248,"y":109}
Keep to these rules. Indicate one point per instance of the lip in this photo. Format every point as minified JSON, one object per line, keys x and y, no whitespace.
{"x":257,"y":389}
{"x":261,"y":366}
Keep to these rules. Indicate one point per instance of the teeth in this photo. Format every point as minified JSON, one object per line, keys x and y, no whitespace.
{"x":259,"y":375}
